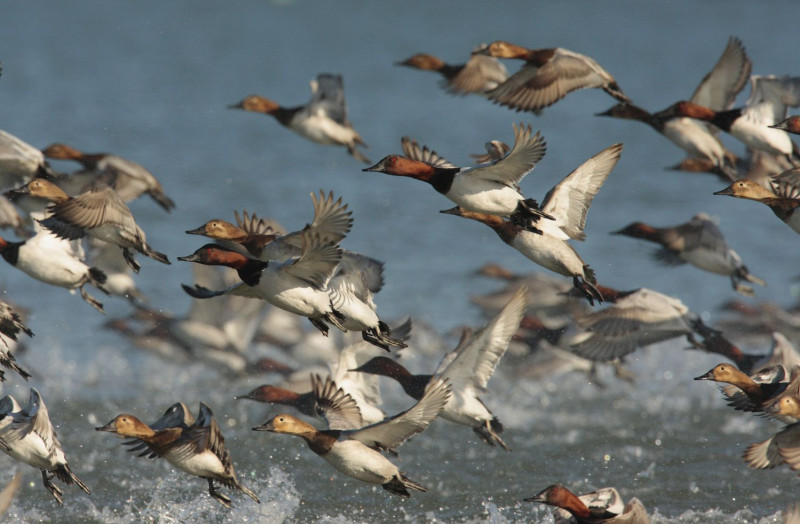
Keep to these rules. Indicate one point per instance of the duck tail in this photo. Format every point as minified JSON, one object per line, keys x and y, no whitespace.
{"x":97,"y":277}
{"x":400,"y":484}
{"x":66,"y":476}
{"x":380,"y":336}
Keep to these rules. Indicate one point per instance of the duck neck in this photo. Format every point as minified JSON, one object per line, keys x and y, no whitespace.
{"x":284,"y":115}
{"x":570,"y":502}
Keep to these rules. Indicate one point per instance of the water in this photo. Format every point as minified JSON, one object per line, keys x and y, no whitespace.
{"x":151,"y":81}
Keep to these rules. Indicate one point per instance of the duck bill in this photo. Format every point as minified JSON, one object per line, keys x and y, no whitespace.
{"x":111,"y":427}
{"x":727,"y":191}
{"x":199,"y":231}
{"x":707,"y":376}
{"x":237,"y":105}
{"x":539,"y":497}
{"x":266,"y":426}
{"x":189,"y":258}
{"x":452,"y":211}
{"x":377,"y":168}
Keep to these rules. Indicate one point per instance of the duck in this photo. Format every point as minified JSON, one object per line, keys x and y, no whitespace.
{"x":783,"y":196}
{"x":468,"y":369}
{"x":717,"y":90}
{"x":636,"y":318}
{"x":700,"y":243}
{"x":129,"y":179}
{"x":568,"y":203}
{"x":767,"y":105}
{"x":45,"y":258}
{"x":298,"y":285}
{"x":256,"y":237}
{"x":27,"y":435}
{"x":315,"y":403}
{"x":749,"y":392}
{"x":322,"y":120}
{"x":547,"y":76}
{"x":790,"y":125}
{"x":355,"y":452}
{"x":780,"y":448}
{"x":11,"y":325}
{"x":489,"y":189}
{"x":198,"y":450}
{"x":20,"y":162}
{"x":604,"y":505}
{"x":479,"y":75}
{"x":99,"y":213}
{"x":177,"y":415}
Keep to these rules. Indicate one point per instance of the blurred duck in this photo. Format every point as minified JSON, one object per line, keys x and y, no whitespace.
{"x":20,"y":162}
{"x":495,"y":150}
{"x":489,"y":188}
{"x":318,"y":402}
{"x":767,"y":105}
{"x":547,"y":76}
{"x":98,"y":213}
{"x":717,"y":91}
{"x":790,"y":125}
{"x":27,"y":435}
{"x":468,"y":369}
{"x":322,"y":120}
{"x":568,"y":203}
{"x":11,"y":325}
{"x":44,"y":258}
{"x":355,"y":452}
{"x":698,"y":242}
{"x":298,"y":285}
{"x":636,"y":318}
{"x":198,"y":449}
{"x":109,"y":259}
{"x":129,"y":179}
{"x":783,"y":196}
{"x":602,"y":506}
{"x":478,"y":76}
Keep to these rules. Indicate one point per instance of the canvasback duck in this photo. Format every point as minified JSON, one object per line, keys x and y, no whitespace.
{"x":322,"y":120}
{"x":198,"y":450}
{"x":332,"y":222}
{"x":177,"y":415}
{"x":547,"y":76}
{"x":750,"y":124}
{"x":129,"y":179}
{"x":319,"y":402}
{"x":782,"y":198}
{"x":749,"y":392}
{"x":11,"y":325}
{"x":568,"y":203}
{"x":468,"y":369}
{"x":790,"y":125}
{"x":98,"y":213}
{"x":636,"y":318}
{"x":717,"y":91}
{"x":27,"y":435}
{"x":20,"y":162}
{"x":784,"y":446}
{"x":44,"y":258}
{"x":698,"y":242}
{"x":479,"y":75}
{"x":354,"y":453}
{"x":298,"y":285}
{"x":491,"y":189}
{"x":604,"y":505}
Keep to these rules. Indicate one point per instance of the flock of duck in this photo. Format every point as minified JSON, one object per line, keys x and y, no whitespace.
{"x":77,"y":231}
